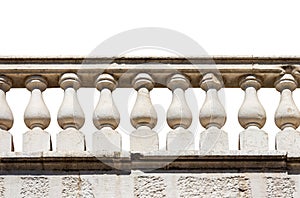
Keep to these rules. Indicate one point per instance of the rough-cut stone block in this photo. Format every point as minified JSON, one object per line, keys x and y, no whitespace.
{"x":5,"y":141}
{"x":69,"y":140}
{"x":107,"y":139}
{"x":143,"y":140}
{"x":288,"y":140}
{"x":36,"y":140}
{"x":180,"y":140}
{"x":253,"y":140}
{"x":214,"y":140}
{"x":149,"y":186}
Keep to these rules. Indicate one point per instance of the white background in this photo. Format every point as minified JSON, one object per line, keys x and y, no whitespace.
{"x":67,"y":28}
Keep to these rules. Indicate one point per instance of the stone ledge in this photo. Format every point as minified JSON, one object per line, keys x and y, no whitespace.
{"x":232,"y":161}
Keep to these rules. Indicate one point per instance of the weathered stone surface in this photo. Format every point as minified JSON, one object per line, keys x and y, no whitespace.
{"x":36,"y":140}
{"x":76,"y":187}
{"x":180,"y":140}
{"x":190,"y":186}
{"x":280,"y":187}
{"x":5,"y":141}
{"x":149,"y":186}
{"x":70,"y":140}
{"x":143,"y":140}
{"x":34,"y":187}
{"x":107,"y":139}
{"x":288,"y":140}
{"x":214,"y":140}
{"x":253,"y":139}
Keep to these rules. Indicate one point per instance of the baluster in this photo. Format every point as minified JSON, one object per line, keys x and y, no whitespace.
{"x":212,"y":117}
{"x":179,"y":116}
{"x":106,"y":116}
{"x":70,"y":116}
{"x":287,"y":116}
{"x":143,"y":116}
{"x":252,"y":117}
{"x":6,"y":116}
{"x":36,"y":117}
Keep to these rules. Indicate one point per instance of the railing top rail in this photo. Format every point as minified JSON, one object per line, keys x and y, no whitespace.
{"x":140,"y":60}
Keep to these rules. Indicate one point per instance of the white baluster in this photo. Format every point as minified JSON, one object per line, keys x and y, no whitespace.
{"x":106,"y":117}
{"x":252,"y":117}
{"x":287,"y":116}
{"x":143,"y":116}
{"x":179,"y":116}
{"x":70,"y":116}
{"x":36,"y":117}
{"x":212,"y":117}
{"x":6,"y":116}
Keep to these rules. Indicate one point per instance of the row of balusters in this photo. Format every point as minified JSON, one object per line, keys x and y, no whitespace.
{"x":106,"y":118}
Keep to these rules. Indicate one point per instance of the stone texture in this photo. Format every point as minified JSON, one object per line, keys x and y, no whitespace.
{"x":180,"y":140}
{"x":253,"y":139}
{"x":214,"y":140}
{"x":36,"y":140}
{"x":288,"y":140}
{"x":143,"y":140}
{"x":193,"y":187}
{"x":5,"y":141}
{"x":34,"y":187}
{"x":76,"y":187}
{"x":70,"y":140}
{"x":280,"y":187}
{"x":107,"y":139}
{"x":149,"y":186}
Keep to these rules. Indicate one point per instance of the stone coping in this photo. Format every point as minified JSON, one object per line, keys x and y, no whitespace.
{"x":187,"y":161}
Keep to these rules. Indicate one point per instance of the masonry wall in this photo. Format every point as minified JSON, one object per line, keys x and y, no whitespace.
{"x":139,"y":184}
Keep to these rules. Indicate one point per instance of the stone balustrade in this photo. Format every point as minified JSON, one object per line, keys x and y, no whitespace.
{"x":143,"y":75}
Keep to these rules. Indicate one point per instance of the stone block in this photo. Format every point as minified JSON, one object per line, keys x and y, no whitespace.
{"x":180,"y":140}
{"x":214,"y":140}
{"x":253,"y":139}
{"x":288,"y":140}
{"x":69,"y":140}
{"x":36,"y":140}
{"x":107,"y":139}
{"x":143,"y":140}
{"x":6,"y":143}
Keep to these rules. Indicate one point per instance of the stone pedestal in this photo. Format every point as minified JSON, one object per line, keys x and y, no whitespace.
{"x":107,"y":139}
{"x":69,"y":140}
{"x":288,"y":140}
{"x":143,"y":140}
{"x":36,"y":140}
{"x":5,"y":141}
{"x":180,"y":140}
{"x":253,"y":139}
{"x":214,"y":140}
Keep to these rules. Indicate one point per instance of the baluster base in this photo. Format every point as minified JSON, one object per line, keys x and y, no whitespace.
{"x":180,"y":140}
{"x":253,"y":139}
{"x":288,"y":140}
{"x":6,"y":141}
{"x":143,"y":140}
{"x":107,"y":139}
{"x":69,"y":140}
{"x":214,"y":140}
{"x":36,"y":140}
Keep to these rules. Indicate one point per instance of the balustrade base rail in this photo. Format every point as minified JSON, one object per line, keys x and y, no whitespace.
{"x":160,"y":161}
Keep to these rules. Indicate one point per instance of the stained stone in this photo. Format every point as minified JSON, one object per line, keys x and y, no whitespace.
{"x":214,"y":140}
{"x":143,"y":140}
{"x":36,"y":140}
{"x":180,"y":140}
{"x":253,"y":139}
{"x":107,"y":139}
{"x":288,"y":140}
{"x":70,"y":139}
